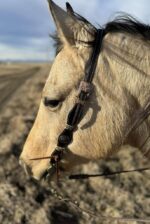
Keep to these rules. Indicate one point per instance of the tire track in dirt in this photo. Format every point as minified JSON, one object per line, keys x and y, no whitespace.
{"x":13,"y":83}
{"x":10,"y":75}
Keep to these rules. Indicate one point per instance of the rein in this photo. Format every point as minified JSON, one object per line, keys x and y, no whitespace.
{"x":76,"y":113}
{"x":105,"y":173}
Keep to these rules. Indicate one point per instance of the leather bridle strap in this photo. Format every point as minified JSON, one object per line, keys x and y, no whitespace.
{"x":106,"y":173}
{"x":76,"y":114}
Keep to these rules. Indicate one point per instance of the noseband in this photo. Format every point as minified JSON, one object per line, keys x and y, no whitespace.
{"x":76,"y":113}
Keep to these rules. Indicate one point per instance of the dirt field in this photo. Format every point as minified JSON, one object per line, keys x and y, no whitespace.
{"x":24,"y":201}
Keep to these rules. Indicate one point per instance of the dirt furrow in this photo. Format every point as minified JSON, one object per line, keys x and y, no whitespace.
{"x":13,"y":83}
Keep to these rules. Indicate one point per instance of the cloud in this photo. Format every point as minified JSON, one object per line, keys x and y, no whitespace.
{"x":24,"y":17}
{"x":24,"y":29}
{"x":140,"y":8}
{"x":100,"y":11}
{"x":36,"y":52}
{"x":25,"y":25}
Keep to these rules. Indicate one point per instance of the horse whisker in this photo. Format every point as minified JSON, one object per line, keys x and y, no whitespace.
{"x":40,"y":158}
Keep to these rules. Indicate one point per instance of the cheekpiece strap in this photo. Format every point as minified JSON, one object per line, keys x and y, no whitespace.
{"x":76,"y":114}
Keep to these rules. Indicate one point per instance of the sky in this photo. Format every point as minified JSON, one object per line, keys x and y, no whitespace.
{"x":25,"y":25}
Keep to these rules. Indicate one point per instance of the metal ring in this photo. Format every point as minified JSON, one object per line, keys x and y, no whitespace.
{"x":69,"y":127}
{"x":58,"y":148}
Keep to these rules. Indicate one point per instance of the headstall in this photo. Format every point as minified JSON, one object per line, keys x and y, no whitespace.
{"x":76,"y":113}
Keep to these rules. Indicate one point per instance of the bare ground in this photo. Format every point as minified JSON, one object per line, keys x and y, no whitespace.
{"x":24,"y":201}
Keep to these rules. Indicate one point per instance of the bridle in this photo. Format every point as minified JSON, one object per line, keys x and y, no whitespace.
{"x":74,"y":117}
{"x":76,"y":113}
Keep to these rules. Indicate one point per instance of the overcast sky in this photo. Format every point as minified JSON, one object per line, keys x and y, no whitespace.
{"x":25,"y":25}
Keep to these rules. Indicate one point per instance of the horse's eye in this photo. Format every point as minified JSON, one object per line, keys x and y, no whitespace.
{"x":51,"y":103}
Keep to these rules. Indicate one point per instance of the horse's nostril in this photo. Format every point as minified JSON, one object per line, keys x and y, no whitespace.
{"x":27,"y":169}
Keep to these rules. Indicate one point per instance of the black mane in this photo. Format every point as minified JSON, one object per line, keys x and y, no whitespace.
{"x":128,"y":24}
{"x":124,"y":23}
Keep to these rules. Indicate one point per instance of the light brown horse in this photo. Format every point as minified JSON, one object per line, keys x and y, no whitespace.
{"x":121,"y":90}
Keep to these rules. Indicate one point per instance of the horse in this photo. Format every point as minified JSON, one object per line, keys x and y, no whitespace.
{"x":116,"y":112}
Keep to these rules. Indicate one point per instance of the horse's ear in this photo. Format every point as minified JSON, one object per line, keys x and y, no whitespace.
{"x":65,"y":21}
{"x":70,"y":26}
{"x":69,"y":8}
